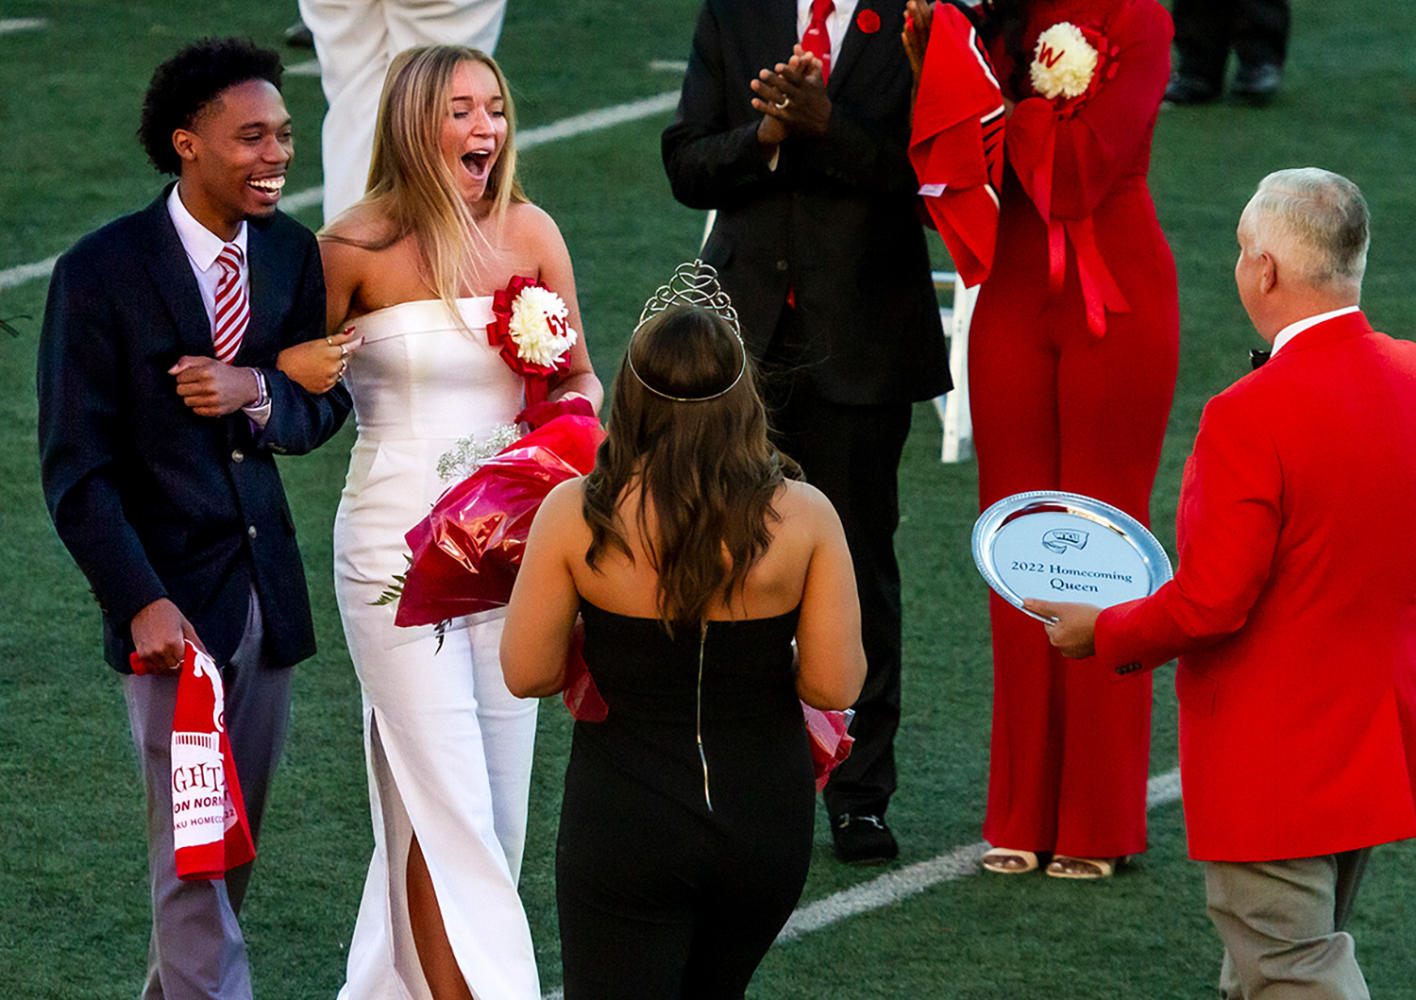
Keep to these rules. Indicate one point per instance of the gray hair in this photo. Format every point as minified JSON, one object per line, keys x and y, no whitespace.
{"x":1320,"y":219}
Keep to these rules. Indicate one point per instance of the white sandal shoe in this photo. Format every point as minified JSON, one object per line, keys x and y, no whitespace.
{"x":1007,"y":861}
{"x":1087,"y":869}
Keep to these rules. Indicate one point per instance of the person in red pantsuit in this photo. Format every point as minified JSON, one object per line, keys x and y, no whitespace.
{"x":1293,"y":609}
{"x":1072,"y":362}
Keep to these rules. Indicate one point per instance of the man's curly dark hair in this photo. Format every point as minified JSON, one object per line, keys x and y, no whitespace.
{"x":189,"y":81}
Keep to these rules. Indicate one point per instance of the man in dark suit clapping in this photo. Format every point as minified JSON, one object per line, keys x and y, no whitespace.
{"x":160,"y":412}
{"x":794,"y":125}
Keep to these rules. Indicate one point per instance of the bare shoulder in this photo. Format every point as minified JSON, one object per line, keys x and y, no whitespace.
{"x":805,"y":505}
{"x":360,"y":224}
{"x":530,"y":225}
{"x":561,"y":510}
{"x":350,"y":237}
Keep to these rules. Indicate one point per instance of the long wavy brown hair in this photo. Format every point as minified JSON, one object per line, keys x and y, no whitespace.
{"x":705,"y":472}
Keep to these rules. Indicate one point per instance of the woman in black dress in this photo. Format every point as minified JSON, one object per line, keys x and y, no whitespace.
{"x":686,"y":826}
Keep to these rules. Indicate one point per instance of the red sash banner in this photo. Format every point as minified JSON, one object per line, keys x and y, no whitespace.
{"x":210,"y":832}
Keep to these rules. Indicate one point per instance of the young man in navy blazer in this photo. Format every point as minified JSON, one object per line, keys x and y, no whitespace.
{"x":160,"y":413}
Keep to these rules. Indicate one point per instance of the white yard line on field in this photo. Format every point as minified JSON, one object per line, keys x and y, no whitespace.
{"x":566,"y":128}
{"x":10,"y":25}
{"x":894,"y":886}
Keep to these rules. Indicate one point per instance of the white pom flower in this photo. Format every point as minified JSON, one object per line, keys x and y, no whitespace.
{"x":538,"y":326}
{"x":1063,"y":62}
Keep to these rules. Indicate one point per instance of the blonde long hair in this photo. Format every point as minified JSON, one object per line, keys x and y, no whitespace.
{"x":411,"y":185}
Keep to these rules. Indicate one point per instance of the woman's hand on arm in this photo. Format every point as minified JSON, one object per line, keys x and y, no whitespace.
{"x":316,"y":365}
{"x":544,"y":601}
{"x":831,"y":659}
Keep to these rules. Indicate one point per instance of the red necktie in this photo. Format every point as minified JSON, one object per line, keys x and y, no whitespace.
{"x":232,"y":309}
{"x":815,"y":39}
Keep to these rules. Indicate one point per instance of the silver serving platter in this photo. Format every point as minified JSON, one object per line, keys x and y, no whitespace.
{"x":1060,"y":546}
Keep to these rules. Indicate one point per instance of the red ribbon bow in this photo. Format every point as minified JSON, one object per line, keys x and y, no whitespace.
{"x":538,"y":377}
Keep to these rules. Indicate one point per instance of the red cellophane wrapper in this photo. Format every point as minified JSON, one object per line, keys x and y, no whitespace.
{"x":210,"y":832}
{"x":466,"y":552}
{"x":580,"y":694}
{"x":830,"y":743}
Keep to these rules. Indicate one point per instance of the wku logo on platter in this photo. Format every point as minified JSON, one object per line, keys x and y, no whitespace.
{"x":1060,"y":539}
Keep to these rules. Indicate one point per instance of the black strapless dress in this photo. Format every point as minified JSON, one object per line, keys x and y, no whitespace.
{"x":686,"y":826}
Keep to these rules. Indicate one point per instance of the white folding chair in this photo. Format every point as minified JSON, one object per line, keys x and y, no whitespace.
{"x":953,"y":406}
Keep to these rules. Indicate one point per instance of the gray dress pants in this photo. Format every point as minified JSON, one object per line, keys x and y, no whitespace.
{"x":196,"y":950}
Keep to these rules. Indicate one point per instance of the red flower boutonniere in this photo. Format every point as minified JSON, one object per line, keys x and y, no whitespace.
{"x":868,"y":21}
{"x":529,"y":325}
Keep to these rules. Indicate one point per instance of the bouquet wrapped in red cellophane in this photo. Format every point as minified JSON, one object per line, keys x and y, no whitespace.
{"x":466,"y":552}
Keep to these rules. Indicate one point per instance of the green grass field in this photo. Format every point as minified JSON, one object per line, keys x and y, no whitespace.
{"x":73,"y":906}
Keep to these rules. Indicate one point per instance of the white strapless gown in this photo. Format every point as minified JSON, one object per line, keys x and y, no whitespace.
{"x":448,"y":747}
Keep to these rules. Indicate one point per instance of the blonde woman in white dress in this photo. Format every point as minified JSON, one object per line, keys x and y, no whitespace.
{"x":412,"y":268}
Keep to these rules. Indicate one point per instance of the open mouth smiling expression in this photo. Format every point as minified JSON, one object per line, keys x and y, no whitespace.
{"x":475,"y":129}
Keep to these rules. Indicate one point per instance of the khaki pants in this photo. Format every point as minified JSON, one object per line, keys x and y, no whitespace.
{"x":1281,"y":923}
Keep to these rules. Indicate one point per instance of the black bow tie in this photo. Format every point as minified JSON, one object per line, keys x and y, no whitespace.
{"x":1257,"y":358}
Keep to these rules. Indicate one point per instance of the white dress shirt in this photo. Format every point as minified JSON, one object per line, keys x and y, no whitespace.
{"x":837,"y":23}
{"x":203,"y":247}
{"x":1293,"y":329}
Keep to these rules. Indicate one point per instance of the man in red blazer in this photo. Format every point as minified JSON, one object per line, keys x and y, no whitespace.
{"x":1293,"y":610}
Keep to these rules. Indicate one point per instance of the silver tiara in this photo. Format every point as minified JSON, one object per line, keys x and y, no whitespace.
{"x":694,"y":283}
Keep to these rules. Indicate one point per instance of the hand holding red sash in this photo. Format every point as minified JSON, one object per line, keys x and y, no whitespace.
{"x":210,"y":831}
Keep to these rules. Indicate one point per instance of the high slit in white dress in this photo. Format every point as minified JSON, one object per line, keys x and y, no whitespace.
{"x":448,"y":747}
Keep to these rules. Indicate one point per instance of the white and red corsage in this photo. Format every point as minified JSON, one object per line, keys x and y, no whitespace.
{"x":1069,"y":63}
{"x":529,"y":324}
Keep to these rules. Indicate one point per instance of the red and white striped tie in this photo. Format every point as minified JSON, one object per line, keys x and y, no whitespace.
{"x":233,"y":308}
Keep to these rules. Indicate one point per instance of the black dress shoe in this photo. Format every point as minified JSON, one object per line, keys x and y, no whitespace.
{"x":863,"y":839}
{"x":1257,"y":84}
{"x":1186,"y":89}
{"x":297,"y":36}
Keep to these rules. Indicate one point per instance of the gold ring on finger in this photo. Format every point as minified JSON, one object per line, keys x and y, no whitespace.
{"x":782,"y":104}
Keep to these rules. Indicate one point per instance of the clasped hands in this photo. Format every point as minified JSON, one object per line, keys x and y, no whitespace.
{"x":791,"y":97}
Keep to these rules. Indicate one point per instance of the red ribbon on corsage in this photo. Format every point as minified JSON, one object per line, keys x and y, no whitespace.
{"x":1100,"y":292}
{"x":529,"y":324}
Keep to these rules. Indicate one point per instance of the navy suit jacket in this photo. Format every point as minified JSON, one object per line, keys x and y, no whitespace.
{"x":152,"y":500}
{"x":835,"y":222}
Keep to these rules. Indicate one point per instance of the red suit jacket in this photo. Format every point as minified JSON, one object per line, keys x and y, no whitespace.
{"x":1293,"y":609}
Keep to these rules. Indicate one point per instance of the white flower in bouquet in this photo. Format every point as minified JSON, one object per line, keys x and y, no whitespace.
{"x":538,"y":326}
{"x":463,"y":458}
{"x":1063,"y":62}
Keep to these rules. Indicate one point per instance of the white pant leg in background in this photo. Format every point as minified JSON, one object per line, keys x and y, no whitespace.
{"x":356,"y":41}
